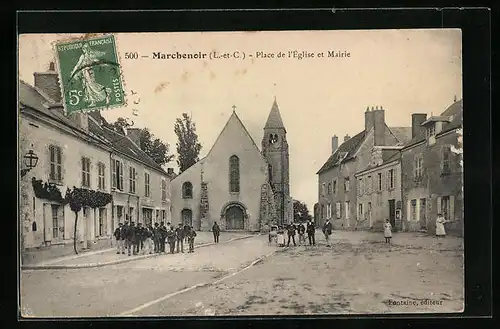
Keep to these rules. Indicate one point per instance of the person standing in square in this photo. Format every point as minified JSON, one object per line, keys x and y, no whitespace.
{"x":311,"y":233}
{"x":327,"y":231}
{"x":216,"y":232}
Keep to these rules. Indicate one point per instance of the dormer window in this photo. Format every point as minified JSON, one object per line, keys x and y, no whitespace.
{"x":431,"y":131}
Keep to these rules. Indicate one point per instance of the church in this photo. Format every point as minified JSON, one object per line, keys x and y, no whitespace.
{"x":236,"y":184}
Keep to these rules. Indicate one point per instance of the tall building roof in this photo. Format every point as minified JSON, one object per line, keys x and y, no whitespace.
{"x":274,"y":119}
{"x":345,"y":151}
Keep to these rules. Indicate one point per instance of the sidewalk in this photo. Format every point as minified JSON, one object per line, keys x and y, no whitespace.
{"x":110,"y":257}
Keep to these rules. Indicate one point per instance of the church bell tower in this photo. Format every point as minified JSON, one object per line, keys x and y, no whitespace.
{"x":275,"y":151}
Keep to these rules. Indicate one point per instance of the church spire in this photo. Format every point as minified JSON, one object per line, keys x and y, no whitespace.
{"x":274,"y":119}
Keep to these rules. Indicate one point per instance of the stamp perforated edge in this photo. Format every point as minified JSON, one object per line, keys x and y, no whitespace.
{"x":89,"y":36}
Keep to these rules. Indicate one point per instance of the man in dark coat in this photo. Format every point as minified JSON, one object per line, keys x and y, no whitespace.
{"x":216,"y":232}
{"x":180,"y":234}
{"x":301,"y":230}
{"x":119,"y":239}
{"x":187,"y":229}
{"x":171,"y":238}
{"x":191,"y":235}
{"x":137,"y":238}
{"x":327,"y":231}
{"x":131,"y":230}
{"x":311,"y":232}
{"x":291,"y":234}
{"x":156,"y":237}
{"x":163,"y":236}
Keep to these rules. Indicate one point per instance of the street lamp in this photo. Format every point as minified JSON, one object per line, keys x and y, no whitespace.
{"x":30,"y":161}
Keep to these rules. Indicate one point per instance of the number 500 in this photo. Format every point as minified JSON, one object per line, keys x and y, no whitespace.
{"x":74,"y":96}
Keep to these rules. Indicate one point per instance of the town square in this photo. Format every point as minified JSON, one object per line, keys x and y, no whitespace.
{"x":226,"y":189}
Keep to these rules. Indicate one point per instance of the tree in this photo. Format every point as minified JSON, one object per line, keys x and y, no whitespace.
{"x":300,"y":212}
{"x":188,"y":147}
{"x":155,"y":148}
{"x":152,"y":146}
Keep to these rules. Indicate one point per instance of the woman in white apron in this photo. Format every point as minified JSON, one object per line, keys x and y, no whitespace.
{"x":387,"y":231}
{"x":440,"y":231}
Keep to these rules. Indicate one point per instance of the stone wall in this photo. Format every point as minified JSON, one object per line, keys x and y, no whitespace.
{"x":204,"y":208}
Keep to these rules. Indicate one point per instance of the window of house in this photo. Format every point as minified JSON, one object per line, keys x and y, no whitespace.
{"x":163,"y":215}
{"x":163,"y":189}
{"x":101,"y":183}
{"x":102,"y":216}
{"x":234,"y":174}
{"x":417,"y":167}
{"x":85,"y":172}
{"x":55,"y":163}
{"x":379,"y":183}
{"x":329,"y":210}
{"x":329,"y":189}
{"x":187,"y":190}
{"x":335,"y":187}
{"x":413,"y":209}
{"x":131,"y":178}
{"x":323,"y":190}
{"x":360,"y":211}
{"x":369,"y":185}
{"x":391,"y":178}
{"x":338,"y":210}
{"x":431,"y":131}
{"x":347,"y":209}
{"x":445,"y":162}
{"x":346,"y":184}
{"x":445,"y":207}
{"x":131,"y":214}
{"x":423,"y":218}
{"x":322,"y":211}
{"x":147,"y":191}
{"x":117,"y":174}
{"x":360,"y":187}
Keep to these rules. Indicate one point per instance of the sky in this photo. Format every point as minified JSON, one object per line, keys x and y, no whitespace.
{"x":404,"y":71}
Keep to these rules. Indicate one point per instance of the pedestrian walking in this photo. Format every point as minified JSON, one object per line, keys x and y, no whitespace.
{"x":191,"y":236}
{"x":327,"y":231}
{"x":311,"y":233}
{"x":141,"y":237}
{"x":440,"y":221}
{"x":117,"y":234}
{"x":291,"y":234}
{"x":387,"y":231}
{"x":171,"y":238}
{"x":148,"y":239}
{"x":180,"y":235}
{"x":187,"y":228}
{"x":136,"y":241}
{"x":163,"y":236}
{"x":301,"y":230}
{"x":131,"y":238}
{"x":216,"y":232}
{"x":156,"y":238}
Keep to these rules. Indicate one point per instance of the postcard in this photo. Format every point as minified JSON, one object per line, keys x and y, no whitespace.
{"x":241,"y":173}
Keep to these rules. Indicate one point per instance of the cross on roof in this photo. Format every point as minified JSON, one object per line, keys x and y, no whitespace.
{"x":234,"y":107}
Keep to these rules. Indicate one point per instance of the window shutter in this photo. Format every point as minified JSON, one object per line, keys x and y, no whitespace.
{"x":408,"y":210}
{"x":395,"y":177}
{"x":417,"y":211}
{"x":451,"y":215}
{"x":439,"y":210}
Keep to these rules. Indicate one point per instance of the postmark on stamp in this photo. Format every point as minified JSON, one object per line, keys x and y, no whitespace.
{"x":90,"y":74}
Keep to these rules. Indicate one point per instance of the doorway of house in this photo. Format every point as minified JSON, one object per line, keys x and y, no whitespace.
{"x":392,"y":212}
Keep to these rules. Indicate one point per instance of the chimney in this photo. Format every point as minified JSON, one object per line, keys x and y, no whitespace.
{"x":379,"y":126}
{"x":417,"y":131}
{"x":335,"y":143}
{"x":80,"y":119}
{"x":368,"y":119}
{"x":48,"y":82}
{"x":135,"y":135}
{"x":346,"y":138}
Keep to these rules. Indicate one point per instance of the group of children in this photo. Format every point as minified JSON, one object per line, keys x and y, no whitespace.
{"x":139,"y":239}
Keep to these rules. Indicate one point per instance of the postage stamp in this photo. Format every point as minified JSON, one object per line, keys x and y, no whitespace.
{"x":90,"y":74}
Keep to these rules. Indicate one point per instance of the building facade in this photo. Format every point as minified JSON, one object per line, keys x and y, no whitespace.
{"x":337,"y":182}
{"x":379,"y":190}
{"x":236,"y":184}
{"x":80,"y":151}
{"x":432,"y":175}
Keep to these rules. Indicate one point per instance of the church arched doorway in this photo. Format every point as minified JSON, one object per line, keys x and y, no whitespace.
{"x":235,"y":218}
{"x":187,"y":217}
